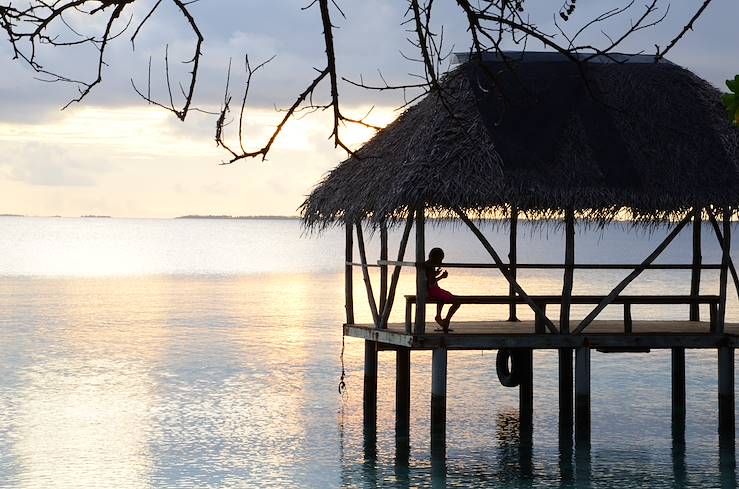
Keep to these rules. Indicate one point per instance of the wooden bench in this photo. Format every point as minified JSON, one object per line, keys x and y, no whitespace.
{"x":542,"y":300}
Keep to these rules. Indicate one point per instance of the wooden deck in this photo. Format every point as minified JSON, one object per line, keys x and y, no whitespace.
{"x":482,"y":335}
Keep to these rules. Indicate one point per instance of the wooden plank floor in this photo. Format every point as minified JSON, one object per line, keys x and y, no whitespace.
{"x":603,"y":333}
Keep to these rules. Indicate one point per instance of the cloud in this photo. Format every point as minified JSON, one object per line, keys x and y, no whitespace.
{"x":50,"y":166}
{"x":113,"y":154}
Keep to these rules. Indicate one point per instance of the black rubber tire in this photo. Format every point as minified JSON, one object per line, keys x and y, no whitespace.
{"x":507,"y":377}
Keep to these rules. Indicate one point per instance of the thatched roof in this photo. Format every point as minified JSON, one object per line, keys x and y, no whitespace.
{"x":543,"y":135}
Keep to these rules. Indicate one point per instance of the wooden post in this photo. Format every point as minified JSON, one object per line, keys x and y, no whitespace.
{"x":564,"y":312}
{"x":526,"y":388}
{"x":348,"y":280}
{"x":695,"y":274}
{"x":383,"y":270}
{"x":396,"y":273}
{"x":420,"y":272}
{"x":582,"y":396}
{"x":678,"y":394}
{"x":512,"y":260}
{"x":402,"y":391}
{"x":726,"y":247}
{"x":565,"y":396}
{"x":365,"y":274}
{"x":438,"y":390}
{"x":565,"y":354}
{"x":370,"y":382}
{"x":726,"y":395}
{"x":628,"y":322}
{"x":720,"y":239}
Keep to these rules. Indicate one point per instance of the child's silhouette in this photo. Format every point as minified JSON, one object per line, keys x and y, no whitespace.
{"x":433,"y":274}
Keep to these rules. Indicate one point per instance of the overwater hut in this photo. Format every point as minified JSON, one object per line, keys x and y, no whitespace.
{"x":540,"y":135}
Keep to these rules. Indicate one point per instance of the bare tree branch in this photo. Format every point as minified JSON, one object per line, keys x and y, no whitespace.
{"x":36,"y":25}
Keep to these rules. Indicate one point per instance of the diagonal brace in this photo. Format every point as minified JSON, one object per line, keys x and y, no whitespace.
{"x":365,"y":274}
{"x":396,"y":272}
{"x":635,"y":273}
{"x":506,"y":272}
{"x":720,"y":238}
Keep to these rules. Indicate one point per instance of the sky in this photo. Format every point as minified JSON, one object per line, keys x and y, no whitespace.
{"x":115,"y":155}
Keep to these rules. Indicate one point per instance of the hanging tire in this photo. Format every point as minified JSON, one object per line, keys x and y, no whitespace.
{"x":508,"y":376}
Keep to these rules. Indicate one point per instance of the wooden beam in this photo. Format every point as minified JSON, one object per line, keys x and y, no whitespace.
{"x":564,"y":312}
{"x":421,"y":284}
{"x":720,"y":238}
{"x":558,"y":266}
{"x":494,"y":341}
{"x":725,"y":257}
{"x":695,"y":274}
{"x":622,"y":285}
{"x":506,"y":273}
{"x":512,"y":259}
{"x":348,"y":279}
{"x":396,"y":272}
{"x":365,"y":274}
{"x":383,"y":268}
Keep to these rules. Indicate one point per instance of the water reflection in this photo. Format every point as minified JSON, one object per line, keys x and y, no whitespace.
{"x":516,"y":460}
{"x":222,"y":382}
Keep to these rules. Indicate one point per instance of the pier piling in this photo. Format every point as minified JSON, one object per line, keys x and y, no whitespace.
{"x":370,"y":382}
{"x":678,"y":394}
{"x":402,"y":391}
{"x":526,"y":388}
{"x":726,"y":395}
{"x":566,"y":382}
{"x":582,"y":396}
{"x":438,"y":392}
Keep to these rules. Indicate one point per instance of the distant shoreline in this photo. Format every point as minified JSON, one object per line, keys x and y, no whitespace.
{"x":272,"y":218}
{"x":194,"y":216}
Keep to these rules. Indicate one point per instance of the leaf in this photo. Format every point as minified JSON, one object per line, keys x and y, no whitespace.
{"x":731,"y":100}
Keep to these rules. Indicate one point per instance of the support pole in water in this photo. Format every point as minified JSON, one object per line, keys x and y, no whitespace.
{"x":438,"y":394}
{"x":565,"y":354}
{"x":370,"y":382}
{"x":402,"y":391}
{"x":566,"y":382}
{"x":678,"y":394}
{"x":726,"y":395}
{"x":525,"y":387}
{"x":582,"y":396}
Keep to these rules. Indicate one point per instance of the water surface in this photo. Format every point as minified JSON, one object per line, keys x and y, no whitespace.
{"x":207,"y":353}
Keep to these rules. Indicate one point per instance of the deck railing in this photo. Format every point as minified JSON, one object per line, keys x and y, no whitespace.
{"x":416,"y":219}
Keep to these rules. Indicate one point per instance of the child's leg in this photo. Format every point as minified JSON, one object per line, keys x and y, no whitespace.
{"x":438,"y":318}
{"x":451,"y":312}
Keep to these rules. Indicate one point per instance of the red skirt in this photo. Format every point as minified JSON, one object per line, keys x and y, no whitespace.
{"x":439,"y":294}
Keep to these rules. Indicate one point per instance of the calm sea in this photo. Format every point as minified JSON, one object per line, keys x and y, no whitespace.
{"x":207,"y":353}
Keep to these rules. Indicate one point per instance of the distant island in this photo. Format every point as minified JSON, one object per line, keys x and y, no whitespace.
{"x":12,"y":215}
{"x":96,"y":217}
{"x":195,"y":216}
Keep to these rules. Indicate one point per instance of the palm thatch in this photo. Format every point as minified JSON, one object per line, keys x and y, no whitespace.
{"x":544,"y":134}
